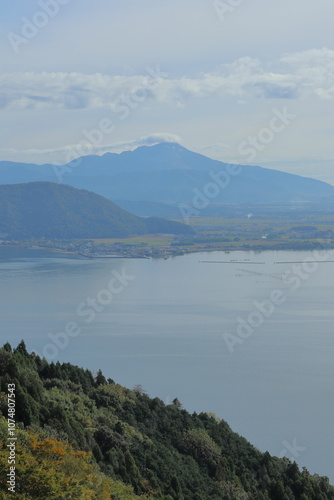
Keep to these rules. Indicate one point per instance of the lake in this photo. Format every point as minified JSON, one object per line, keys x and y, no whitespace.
{"x":248,"y":336}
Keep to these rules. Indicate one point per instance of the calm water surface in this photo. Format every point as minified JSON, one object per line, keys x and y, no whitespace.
{"x":169,"y":327}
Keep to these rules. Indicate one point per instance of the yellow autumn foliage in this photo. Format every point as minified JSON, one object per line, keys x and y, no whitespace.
{"x":48,"y":469}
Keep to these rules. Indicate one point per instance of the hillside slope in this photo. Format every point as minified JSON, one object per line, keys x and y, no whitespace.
{"x":139,"y":445}
{"x":167,"y":175}
{"x":44,"y":209}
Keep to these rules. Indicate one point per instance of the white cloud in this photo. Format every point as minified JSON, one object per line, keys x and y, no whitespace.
{"x":155,"y":138}
{"x":323,"y":58}
{"x":301,"y":74}
{"x":148,"y":140}
{"x":50,"y":155}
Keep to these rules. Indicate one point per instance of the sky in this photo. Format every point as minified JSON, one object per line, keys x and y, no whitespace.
{"x":242,"y":81}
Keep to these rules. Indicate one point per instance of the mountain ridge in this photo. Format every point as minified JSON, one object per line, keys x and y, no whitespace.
{"x":84,"y":436}
{"x":169,"y":174}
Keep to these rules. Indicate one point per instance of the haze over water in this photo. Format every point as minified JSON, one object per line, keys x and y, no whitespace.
{"x":165,"y":330}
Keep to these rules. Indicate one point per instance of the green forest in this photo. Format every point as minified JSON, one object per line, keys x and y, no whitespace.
{"x":83,"y":437}
{"x":58,"y":211}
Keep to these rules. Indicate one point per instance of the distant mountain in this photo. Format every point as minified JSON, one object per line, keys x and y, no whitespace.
{"x":156,"y":179}
{"x":45,"y":209}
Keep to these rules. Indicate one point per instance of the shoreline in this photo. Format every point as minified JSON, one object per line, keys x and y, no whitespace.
{"x":169,"y":252}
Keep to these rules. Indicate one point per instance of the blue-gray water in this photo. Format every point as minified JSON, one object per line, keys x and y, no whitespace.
{"x":168,"y":328}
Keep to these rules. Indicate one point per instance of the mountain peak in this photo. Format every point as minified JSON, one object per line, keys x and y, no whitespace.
{"x":169,"y":145}
{"x":160,"y":146}
{"x":168,"y":173}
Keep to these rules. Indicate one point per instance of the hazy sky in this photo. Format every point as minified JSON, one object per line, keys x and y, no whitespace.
{"x":245,"y":81}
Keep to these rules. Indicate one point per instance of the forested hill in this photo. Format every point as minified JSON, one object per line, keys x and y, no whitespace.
{"x":167,"y":174}
{"x":57,"y":211}
{"x":84,"y":437}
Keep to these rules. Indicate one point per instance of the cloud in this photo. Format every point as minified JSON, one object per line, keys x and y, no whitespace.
{"x":149,"y":140}
{"x":310,"y":58}
{"x":302,"y":74}
{"x":116,"y":147}
{"x":156,"y":138}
